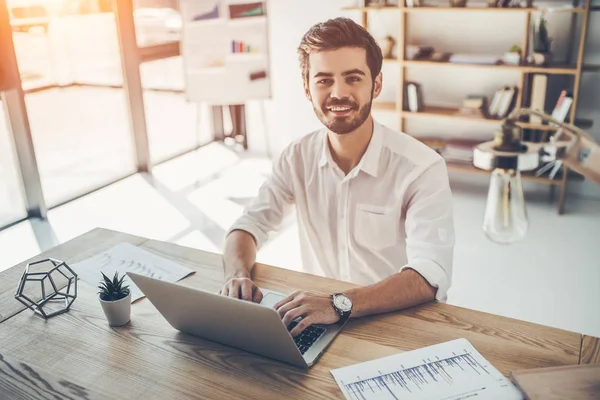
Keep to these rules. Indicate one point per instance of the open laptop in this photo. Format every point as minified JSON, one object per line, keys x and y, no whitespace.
{"x":253,"y":327}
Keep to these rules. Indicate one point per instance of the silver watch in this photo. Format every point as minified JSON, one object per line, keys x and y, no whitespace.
{"x":342,"y":305}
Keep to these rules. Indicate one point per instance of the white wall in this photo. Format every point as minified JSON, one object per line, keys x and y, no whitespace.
{"x":289,"y":115}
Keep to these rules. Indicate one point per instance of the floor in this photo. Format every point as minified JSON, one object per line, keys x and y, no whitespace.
{"x":552,"y":277}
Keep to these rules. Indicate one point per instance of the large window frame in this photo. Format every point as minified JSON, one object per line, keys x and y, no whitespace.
{"x":13,"y":96}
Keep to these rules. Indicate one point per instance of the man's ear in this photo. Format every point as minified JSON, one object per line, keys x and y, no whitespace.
{"x":378,"y":84}
{"x":307,"y":91}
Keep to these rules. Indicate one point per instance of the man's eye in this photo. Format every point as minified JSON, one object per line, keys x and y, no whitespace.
{"x":354,"y":79}
{"x":324,"y":82}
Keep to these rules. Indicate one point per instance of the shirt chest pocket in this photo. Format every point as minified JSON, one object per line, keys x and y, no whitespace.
{"x":376,"y":227}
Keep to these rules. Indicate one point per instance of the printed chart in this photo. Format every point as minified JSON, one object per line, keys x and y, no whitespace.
{"x":449,"y":371}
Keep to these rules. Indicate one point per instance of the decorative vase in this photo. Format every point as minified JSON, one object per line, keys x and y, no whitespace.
{"x":512,"y":58}
{"x":541,"y":58}
{"x":387,"y":45}
{"x":117,"y":312}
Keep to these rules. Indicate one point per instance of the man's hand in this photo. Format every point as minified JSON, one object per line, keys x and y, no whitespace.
{"x":241,"y":287}
{"x":313,"y":308}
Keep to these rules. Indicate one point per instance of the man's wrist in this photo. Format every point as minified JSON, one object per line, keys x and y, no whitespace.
{"x":238,"y":273}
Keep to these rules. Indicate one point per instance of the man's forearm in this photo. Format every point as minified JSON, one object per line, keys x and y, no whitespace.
{"x":402,"y":290}
{"x":240,"y":254}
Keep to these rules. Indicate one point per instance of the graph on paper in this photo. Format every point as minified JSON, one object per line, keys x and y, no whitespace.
{"x":448,"y":371}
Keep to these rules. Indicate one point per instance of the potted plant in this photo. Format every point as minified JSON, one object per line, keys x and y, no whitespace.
{"x":541,"y":42}
{"x":513,"y":57}
{"x":115,"y":299}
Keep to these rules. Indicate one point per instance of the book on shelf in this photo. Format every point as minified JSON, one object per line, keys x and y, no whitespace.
{"x":563,"y":105}
{"x":413,"y":95}
{"x":503,"y":102}
{"x":538,"y":96}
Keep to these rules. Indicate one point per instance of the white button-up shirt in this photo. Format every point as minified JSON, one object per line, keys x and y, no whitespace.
{"x":392,"y":211}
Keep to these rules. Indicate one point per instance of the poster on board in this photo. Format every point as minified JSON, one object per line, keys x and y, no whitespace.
{"x":225,"y":51}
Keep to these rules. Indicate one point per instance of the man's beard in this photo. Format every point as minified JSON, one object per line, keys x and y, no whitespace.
{"x":343,"y":125}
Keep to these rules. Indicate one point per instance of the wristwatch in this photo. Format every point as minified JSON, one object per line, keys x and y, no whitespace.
{"x":342,"y":305}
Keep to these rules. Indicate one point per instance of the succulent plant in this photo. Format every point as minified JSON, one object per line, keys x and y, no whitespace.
{"x":541,"y":40}
{"x":515,"y":49}
{"x":113,"y":290}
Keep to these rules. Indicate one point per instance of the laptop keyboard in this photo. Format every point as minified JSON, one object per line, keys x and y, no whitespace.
{"x":307,"y":337}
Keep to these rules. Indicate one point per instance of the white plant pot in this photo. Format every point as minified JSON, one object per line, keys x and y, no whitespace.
{"x":118,"y":312}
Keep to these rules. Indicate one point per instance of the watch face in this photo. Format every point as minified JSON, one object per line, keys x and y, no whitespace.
{"x":343,"y":303}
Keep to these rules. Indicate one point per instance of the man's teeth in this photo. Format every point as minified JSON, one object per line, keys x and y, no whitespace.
{"x":340,"y":108}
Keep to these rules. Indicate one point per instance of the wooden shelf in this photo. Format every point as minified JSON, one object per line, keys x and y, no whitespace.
{"x":464,"y":167}
{"x":470,"y":9}
{"x":465,"y":9}
{"x":591,"y":68}
{"x":390,"y":60}
{"x":386,"y":8}
{"x":454,"y":113}
{"x":448,"y":112}
{"x":384,"y":106}
{"x":521,"y":68}
{"x":464,"y":69}
{"x":492,"y":9}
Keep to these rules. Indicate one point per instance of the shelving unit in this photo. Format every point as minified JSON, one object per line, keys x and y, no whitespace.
{"x":575,"y":70}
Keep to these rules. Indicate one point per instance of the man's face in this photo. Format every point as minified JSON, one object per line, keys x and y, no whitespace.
{"x":341,"y":88}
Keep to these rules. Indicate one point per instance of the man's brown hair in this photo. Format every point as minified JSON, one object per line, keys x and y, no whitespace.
{"x":335,"y":34}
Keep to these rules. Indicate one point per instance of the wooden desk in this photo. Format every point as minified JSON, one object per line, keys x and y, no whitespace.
{"x":80,"y":354}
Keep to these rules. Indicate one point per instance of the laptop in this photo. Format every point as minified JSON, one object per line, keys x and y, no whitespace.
{"x":256,"y":328}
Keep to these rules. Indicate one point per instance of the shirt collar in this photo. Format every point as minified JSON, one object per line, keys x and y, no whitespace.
{"x":370,"y":160}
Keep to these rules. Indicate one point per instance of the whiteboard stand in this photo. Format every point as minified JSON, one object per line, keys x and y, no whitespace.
{"x":238,"y":121}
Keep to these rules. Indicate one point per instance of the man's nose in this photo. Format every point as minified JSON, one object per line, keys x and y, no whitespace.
{"x":340,"y":91}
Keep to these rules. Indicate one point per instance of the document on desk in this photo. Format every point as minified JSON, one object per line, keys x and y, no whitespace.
{"x":448,"y":371}
{"x":124,"y":258}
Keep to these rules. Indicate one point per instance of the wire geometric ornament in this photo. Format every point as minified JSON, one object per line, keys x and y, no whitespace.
{"x":49,"y":294}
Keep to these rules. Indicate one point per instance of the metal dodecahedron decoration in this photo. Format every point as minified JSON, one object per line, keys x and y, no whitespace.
{"x":48,"y":287}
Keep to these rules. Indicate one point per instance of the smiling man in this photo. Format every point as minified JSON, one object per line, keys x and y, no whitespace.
{"x":373,"y":205}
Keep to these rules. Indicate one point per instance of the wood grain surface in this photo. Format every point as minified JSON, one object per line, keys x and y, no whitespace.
{"x":573,"y":382}
{"x":590,"y":350}
{"x":148,"y":359}
{"x":23,"y":381}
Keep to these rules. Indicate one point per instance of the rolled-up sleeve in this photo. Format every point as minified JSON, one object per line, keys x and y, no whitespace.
{"x":274,"y":201}
{"x":430,"y":228}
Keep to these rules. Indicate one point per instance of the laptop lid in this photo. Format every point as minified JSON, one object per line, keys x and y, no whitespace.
{"x":241,"y":324}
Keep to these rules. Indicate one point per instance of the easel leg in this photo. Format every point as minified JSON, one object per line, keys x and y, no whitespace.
{"x":238,"y":120}
{"x":217,"y":124}
{"x":563,"y":191}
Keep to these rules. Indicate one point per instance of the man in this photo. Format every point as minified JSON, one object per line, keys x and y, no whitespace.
{"x":373,"y":205}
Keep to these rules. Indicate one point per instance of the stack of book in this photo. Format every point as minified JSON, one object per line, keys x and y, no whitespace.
{"x":460,"y":151}
{"x":483,"y":59}
{"x":503,"y":102}
{"x":456,"y":151}
{"x":475,"y":106}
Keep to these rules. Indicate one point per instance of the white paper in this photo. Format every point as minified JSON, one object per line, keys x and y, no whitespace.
{"x":124,"y":258}
{"x":448,"y":371}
